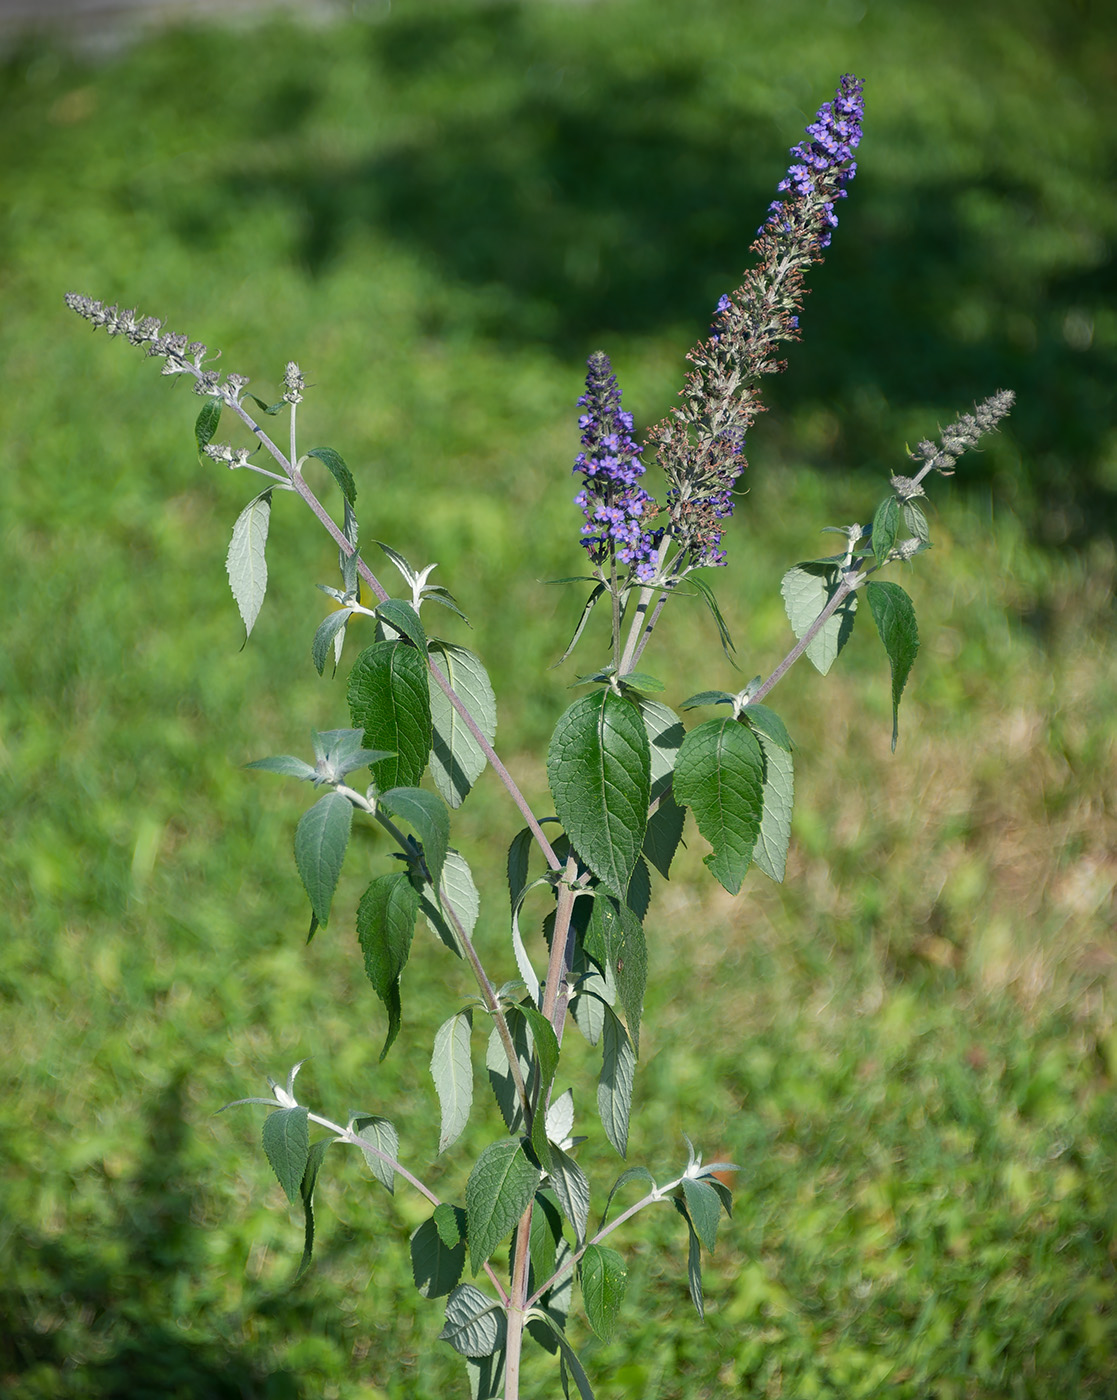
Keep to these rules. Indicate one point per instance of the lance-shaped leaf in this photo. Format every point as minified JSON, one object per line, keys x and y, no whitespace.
{"x":720,"y":776}
{"x":486,"y":1376}
{"x":457,"y":893}
{"x":401,"y":616}
{"x":475,"y":1325}
{"x":336,"y":467}
{"x":544,"y":1238}
{"x":765,"y":721}
{"x":571,"y":1189}
{"x":380,"y":1134}
{"x":428,"y":815}
{"x":287,"y":1145}
{"x":806,"y":589}
{"x":615,"y":939}
{"x":500,"y":1072}
{"x":321,"y":839}
{"x":435,"y":1265}
{"x":390,"y":701}
{"x":614,"y":1088}
{"x":306,"y":1191}
{"x":916,"y":522}
{"x":604,"y":1279}
{"x":770,"y":851}
{"x":385,"y":925}
{"x":704,"y":1209}
{"x":498,"y":1191}
{"x":712,"y":603}
{"x":324,"y":637}
{"x":886,"y":523}
{"x":286,"y":764}
{"x":246,"y":563}
{"x":205,"y":425}
{"x":599,"y":768}
{"x":894,"y":616}
{"x":630,"y":1174}
{"x":457,"y":760}
{"x":569,"y":1355}
{"x":452,"y":1073}
{"x":693,"y":1262}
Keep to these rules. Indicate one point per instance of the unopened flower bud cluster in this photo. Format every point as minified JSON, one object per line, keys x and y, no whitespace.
{"x":961,"y":435}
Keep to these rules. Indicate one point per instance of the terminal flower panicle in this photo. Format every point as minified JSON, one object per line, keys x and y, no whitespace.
{"x":700,"y":445}
{"x":614,"y":506}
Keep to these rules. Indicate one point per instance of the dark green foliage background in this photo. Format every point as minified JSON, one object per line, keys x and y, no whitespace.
{"x":440,"y":211}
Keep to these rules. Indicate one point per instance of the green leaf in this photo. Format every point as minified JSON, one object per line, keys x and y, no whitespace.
{"x":336,"y":467}
{"x":894,"y":616}
{"x":435,"y":1265}
{"x":631,"y":1174}
{"x":270,"y":409}
{"x":693,"y":1262}
{"x":806,"y":589}
{"x":572,"y":1189}
{"x":500,"y":1073}
{"x":546,"y":1232}
{"x":426,"y":812}
{"x":614,"y":1088}
{"x":486,"y":1376}
{"x":886,"y":522}
{"x":916,"y":522}
{"x":546,"y":1047}
{"x":774,"y":837}
{"x":720,"y":776}
{"x":475,"y":1325}
{"x":640,"y":680}
{"x":615,"y":938}
{"x":321,"y":839}
{"x":286,"y":765}
{"x":450,"y":1221}
{"x":569,"y":1355}
{"x":457,"y":760}
{"x":704,"y":1209}
{"x":452,"y":1073}
{"x":390,"y":701}
{"x":246,"y":563}
{"x":385,"y":926}
{"x":765,"y":721}
{"x":381,"y":1134}
{"x":712,"y":603}
{"x":707,"y":697}
{"x":499,"y":1190}
{"x":205,"y":425}
{"x":456,"y":892}
{"x":599,"y":770}
{"x":287,"y":1145}
{"x":585,"y":617}
{"x":325,"y":634}
{"x":518,"y":856}
{"x":401,"y":616}
{"x":604,"y":1279}
{"x":306,"y":1191}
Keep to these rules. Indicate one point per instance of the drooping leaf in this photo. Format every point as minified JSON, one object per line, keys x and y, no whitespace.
{"x":385,"y":925}
{"x":604,"y":1279}
{"x":894,"y":616}
{"x":546,"y":1047}
{"x":498,"y":1191}
{"x":774,"y":836}
{"x":765,"y":721}
{"x":615,"y":938}
{"x":205,"y":425}
{"x":704,"y":1209}
{"x":597,"y":592}
{"x":630,"y":1174}
{"x":486,"y":1376}
{"x":321,"y":840}
{"x":614,"y":1088}
{"x":599,"y":766}
{"x":458,"y":893}
{"x":546,"y":1232}
{"x":664,"y":832}
{"x":323,"y":642}
{"x":378,"y":1133}
{"x":711,"y":602}
{"x":306,"y":1191}
{"x":916,"y":522}
{"x":335,"y":465}
{"x":389,"y":699}
{"x":806,"y":589}
{"x":499,"y":1070}
{"x":426,"y":812}
{"x":400,"y":615}
{"x":457,"y":759}
{"x":246,"y":562}
{"x":518,"y":854}
{"x":720,"y":777}
{"x":287,"y":1146}
{"x":475,"y":1325}
{"x":452,"y":1073}
{"x":693,"y":1262}
{"x":435,"y":1266}
{"x":886,"y":522}
{"x":569,"y":1355}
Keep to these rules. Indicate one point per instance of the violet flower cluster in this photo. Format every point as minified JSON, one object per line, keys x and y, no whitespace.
{"x":614,"y":506}
{"x":700,"y":445}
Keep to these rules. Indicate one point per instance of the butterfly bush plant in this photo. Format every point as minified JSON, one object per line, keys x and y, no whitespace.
{"x":507,"y":1255}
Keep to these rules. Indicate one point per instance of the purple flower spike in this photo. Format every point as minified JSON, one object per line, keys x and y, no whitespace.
{"x":614,"y":506}
{"x":823,"y":166}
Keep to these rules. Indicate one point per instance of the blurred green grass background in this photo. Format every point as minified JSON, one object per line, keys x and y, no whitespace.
{"x":439,"y":210}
